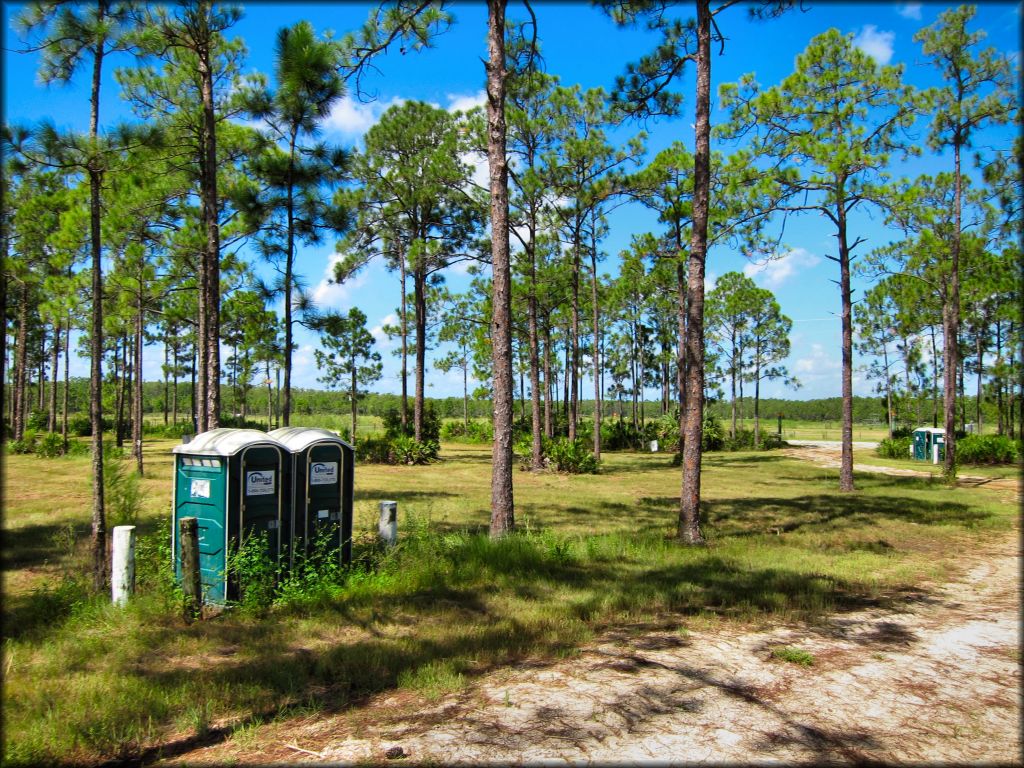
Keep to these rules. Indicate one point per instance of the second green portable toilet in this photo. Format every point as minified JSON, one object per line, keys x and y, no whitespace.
{"x":322,"y":475}
{"x":233,"y":481}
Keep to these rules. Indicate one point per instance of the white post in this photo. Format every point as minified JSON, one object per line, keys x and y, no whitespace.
{"x":122,"y":577}
{"x":654,"y":446}
{"x":387,"y":528}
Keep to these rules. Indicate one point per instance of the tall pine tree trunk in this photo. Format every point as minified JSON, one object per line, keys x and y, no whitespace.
{"x":99,"y":518}
{"x":137,"y":399}
{"x":548,"y":389}
{"x":502,"y":508}
{"x":846,"y":435}
{"x":597,"y":349}
{"x":405,"y":345}
{"x":67,"y":386}
{"x":211,"y":339}
{"x":51,"y":421}
{"x":689,"y":506}
{"x":21,"y":364}
{"x":420,"y":307}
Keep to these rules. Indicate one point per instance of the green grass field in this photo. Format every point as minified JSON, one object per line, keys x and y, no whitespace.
{"x":85,"y":682}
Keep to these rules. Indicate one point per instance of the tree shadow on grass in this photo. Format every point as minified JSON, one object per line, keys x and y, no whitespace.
{"x":777,"y":515}
{"x":342,"y":674}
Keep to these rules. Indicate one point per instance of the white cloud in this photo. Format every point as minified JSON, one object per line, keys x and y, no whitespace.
{"x":817,"y":364}
{"x":379,"y":336}
{"x":775,"y":271}
{"x":329,"y":295}
{"x":354,"y":118}
{"x":877,"y":45}
{"x":910,"y":11}
{"x":464,"y":103}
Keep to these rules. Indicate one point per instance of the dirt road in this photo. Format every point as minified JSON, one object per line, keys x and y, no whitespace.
{"x":937,"y":679}
{"x":826,"y":454}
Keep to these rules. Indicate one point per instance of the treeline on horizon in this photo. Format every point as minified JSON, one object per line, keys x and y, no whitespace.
{"x":158,"y":399}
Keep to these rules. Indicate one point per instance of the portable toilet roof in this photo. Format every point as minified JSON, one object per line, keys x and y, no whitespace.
{"x":932,"y":430}
{"x":297,"y":439}
{"x":224,"y":441}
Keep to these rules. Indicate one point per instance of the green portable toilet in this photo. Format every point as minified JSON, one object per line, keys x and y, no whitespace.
{"x":929,"y":444}
{"x":233,"y":481}
{"x":322,"y":475}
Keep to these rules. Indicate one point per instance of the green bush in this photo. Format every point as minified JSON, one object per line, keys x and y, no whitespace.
{"x":572,"y":456}
{"x":895,"y":448}
{"x":37,"y":421}
{"x":711,"y":436}
{"x":475,"y":432}
{"x":236,"y":422}
{"x":619,"y":435}
{"x":408,"y":451}
{"x":396,"y":450}
{"x":50,"y":446}
{"x":373,"y":450}
{"x":255,"y":573}
{"x":986,"y":449}
{"x":26,"y":445}
{"x":80,"y":425}
{"x":121,"y":488}
{"x":431,"y":424}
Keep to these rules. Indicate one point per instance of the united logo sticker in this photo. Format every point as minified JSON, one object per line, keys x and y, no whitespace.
{"x":259,"y":483}
{"x":323,"y":473}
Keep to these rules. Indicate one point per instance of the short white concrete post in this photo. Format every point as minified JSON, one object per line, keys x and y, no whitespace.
{"x":654,"y":446}
{"x":387,"y":528}
{"x":122,"y":577}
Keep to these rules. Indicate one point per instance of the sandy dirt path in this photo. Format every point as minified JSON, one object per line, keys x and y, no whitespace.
{"x":937,"y":679}
{"x":827,"y":455}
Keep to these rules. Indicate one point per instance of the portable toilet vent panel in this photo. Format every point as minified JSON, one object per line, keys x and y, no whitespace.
{"x":322,"y":472}
{"x":234,"y":481}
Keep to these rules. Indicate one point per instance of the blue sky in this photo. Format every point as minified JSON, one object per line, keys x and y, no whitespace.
{"x":580,"y":45}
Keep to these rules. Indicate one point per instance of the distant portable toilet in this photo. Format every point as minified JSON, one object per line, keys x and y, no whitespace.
{"x":929,"y":444}
{"x":233,"y":481}
{"x":322,"y":475}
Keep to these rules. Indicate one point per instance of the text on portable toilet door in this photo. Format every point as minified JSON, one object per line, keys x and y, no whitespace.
{"x":323,"y":473}
{"x":259,"y":483}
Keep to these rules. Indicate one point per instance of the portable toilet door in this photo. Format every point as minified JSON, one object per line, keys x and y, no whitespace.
{"x":322,"y":471}
{"x":233,"y":481}
{"x":920,"y":437}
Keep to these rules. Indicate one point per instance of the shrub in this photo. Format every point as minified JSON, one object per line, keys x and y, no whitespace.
{"x":37,"y":421}
{"x":237,"y":422}
{"x":572,"y":456}
{"x":50,"y":446}
{"x":619,"y":435}
{"x":176,"y":431}
{"x":255,"y":573}
{"x":27,"y":444}
{"x":408,"y":451}
{"x":373,"y":450}
{"x":396,"y":450}
{"x":121,"y":488}
{"x":80,"y":425}
{"x":711,"y":436}
{"x":474,"y":432}
{"x":896,"y":448}
{"x":986,"y":449}
{"x":431,"y":424}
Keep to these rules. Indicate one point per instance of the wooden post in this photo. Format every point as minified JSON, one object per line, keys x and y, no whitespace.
{"x":387,"y":528}
{"x":190,"y":582}
{"x":122,"y":577}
